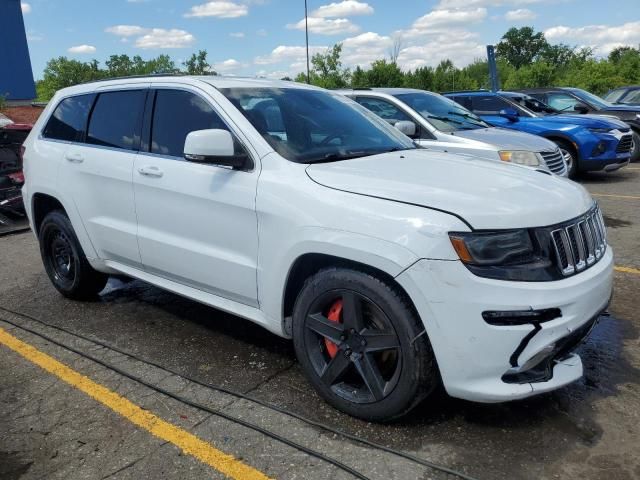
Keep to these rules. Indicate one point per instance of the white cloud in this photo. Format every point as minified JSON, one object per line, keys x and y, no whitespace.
{"x":345,"y":8}
{"x":442,"y":19}
{"x":161,"y":38}
{"x":237,"y":34}
{"x":25,"y":7}
{"x":288,"y":53}
{"x":365,"y":48}
{"x":227,"y":66}
{"x":324,"y":26}
{"x":218,"y":8}
{"x":148,"y":38}
{"x":126,"y":30}
{"x":82,"y":49}
{"x":603,"y":38}
{"x":520,"y":15}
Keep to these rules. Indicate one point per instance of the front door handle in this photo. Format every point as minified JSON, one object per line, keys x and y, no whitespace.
{"x":74,"y":157}
{"x":150,"y":171}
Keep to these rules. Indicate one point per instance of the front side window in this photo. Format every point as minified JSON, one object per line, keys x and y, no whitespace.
{"x":615,"y":95}
{"x":488,"y":104}
{"x":116,"y":119}
{"x":633,"y":97}
{"x":444,"y":114}
{"x":591,"y":99}
{"x":308,"y":126}
{"x":533,"y":104}
{"x":383,"y":109}
{"x":69,"y":119}
{"x":177,"y":113}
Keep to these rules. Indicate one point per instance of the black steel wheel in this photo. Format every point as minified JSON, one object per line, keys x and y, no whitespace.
{"x":64,"y":260}
{"x":359,"y":342}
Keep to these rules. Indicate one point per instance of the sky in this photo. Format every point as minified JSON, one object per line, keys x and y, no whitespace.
{"x":266,"y":37}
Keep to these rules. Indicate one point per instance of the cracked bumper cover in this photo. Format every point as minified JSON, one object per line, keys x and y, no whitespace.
{"x":472,"y":355}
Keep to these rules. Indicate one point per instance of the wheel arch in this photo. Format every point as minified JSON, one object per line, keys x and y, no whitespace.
{"x":41,"y":205}
{"x":308,"y":264}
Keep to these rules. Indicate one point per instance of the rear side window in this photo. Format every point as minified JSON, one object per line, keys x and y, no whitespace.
{"x":116,"y":119}
{"x":69,"y":119}
{"x":383,"y":109}
{"x":177,"y":113}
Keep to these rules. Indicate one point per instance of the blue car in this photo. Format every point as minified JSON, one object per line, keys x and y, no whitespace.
{"x":588,"y":142}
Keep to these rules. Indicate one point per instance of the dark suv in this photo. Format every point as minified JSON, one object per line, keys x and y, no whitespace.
{"x":576,"y":100}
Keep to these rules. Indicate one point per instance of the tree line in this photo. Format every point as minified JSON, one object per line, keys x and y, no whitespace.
{"x":524,"y":58}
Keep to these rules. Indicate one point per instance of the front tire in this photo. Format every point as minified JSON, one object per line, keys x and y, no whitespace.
{"x":361,"y":345}
{"x":65,"y":262}
{"x":635,"y":153}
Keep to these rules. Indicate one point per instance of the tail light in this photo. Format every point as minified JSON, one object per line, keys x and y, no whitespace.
{"x":17,"y":177}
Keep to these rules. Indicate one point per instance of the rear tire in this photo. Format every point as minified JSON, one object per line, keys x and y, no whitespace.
{"x":380,"y":364}
{"x":569,"y":153}
{"x":65,"y":262}
{"x":635,"y":153}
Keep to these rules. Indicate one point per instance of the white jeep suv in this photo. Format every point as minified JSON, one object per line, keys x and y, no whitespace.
{"x":392,"y":268}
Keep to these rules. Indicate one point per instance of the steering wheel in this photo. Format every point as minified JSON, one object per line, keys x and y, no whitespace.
{"x":331,"y":136}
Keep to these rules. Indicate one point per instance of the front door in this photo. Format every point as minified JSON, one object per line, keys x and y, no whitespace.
{"x":197,"y":223}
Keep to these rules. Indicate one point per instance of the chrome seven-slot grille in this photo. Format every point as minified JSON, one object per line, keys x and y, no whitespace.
{"x":580,"y":243}
{"x":554,"y":161}
{"x":625,"y":144}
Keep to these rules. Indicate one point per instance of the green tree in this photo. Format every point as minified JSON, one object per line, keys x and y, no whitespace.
{"x":421,"y":77}
{"x":521,"y":46}
{"x":61,"y":73}
{"x":197,"y":64}
{"x":538,"y":74}
{"x":384,"y":74}
{"x":327,"y":70}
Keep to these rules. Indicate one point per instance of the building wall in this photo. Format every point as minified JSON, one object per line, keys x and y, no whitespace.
{"x":16,"y":76}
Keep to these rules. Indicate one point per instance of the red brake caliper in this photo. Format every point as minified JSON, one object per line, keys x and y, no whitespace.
{"x":335,"y":312}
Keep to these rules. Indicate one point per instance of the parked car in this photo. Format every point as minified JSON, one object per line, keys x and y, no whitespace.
{"x":12,"y":214}
{"x":437,"y":123}
{"x":392,"y":267}
{"x":579,"y":101}
{"x":588,"y":143}
{"x":624,"y":95}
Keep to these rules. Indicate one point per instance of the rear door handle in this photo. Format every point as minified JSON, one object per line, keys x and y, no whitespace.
{"x":74,"y":157}
{"x":150,"y":171}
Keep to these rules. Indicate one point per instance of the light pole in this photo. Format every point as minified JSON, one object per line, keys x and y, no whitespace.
{"x":306,"y":31}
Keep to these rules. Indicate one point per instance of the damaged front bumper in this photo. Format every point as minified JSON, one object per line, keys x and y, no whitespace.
{"x":494,"y":361}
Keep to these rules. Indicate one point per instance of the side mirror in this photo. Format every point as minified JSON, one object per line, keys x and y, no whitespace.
{"x":213,"y":146}
{"x":406,"y":127}
{"x":580,"y":108}
{"x":510,"y":114}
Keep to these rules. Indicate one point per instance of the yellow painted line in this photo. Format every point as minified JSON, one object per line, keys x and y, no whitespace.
{"x":635,"y":271}
{"x":188,"y":443}
{"x":628,"y":197}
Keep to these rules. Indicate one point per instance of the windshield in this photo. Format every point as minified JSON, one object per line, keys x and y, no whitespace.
{"x":444,"y":114}
{"x":309,"y":126}
{"x":591,"y":98}
{"x":532,"y":104}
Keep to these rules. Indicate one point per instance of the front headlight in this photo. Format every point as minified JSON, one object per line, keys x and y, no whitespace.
{"x":521,"y":157}
{"x":599,"y":130}
{"x":504,"y":255}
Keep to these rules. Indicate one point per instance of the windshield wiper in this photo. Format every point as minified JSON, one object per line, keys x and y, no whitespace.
{"x":336,"y":156}
{"x":472,"y":119}
{"x":443,"y":119}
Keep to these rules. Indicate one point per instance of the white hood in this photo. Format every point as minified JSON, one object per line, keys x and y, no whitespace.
{"x":486,"y":195}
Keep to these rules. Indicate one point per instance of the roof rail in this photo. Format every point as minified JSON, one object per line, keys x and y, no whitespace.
{"x":125,"y":77}
{"x":466,"y":91}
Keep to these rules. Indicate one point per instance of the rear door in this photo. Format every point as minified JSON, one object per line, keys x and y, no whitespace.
{"x":98,"y":172}
{"x":197,"y":222}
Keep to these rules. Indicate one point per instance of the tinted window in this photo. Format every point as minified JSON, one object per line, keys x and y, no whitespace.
{"x":488,"y":104}
{"x":305,"y":125}
{"x":176,"y":113}
{"x":383,"y":109}
{"x":69,"y":119}
{"x":116,"y":118}
{"x":615,"y":95}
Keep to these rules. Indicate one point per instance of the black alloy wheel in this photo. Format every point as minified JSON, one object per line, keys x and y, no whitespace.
{"x":362,"y":345}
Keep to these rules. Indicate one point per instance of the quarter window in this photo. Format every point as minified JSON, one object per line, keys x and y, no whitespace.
{"x":69,"y":119}
{"x":175,"y":115}
{"x":116,"y":118}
